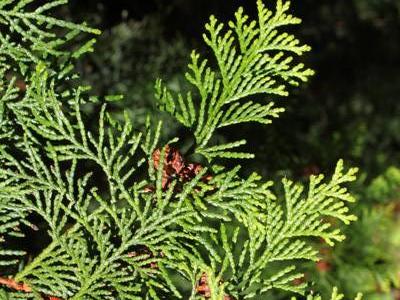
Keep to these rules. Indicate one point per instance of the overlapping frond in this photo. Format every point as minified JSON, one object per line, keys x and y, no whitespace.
{"x":278,"y":234}
{"x":107,"y":228}
{"x":129,"y":218}
{"x":33,"y":35}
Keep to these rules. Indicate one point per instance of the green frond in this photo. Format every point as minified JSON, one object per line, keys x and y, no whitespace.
{"x":127,"y":217}
{"x":224,"y":151}
{"x":253,"y":57}
{"x":277,"y":232}
{"x":335,"y":296}
{"x":39,"y":35}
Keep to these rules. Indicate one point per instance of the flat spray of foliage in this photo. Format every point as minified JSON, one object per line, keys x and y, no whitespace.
{"x":128,"y":218}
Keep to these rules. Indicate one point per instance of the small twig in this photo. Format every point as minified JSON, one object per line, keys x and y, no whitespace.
{"x":12,"y":284}
{"x":22,"y":287}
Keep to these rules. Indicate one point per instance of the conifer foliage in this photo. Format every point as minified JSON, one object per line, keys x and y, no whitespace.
{"x":128,"y":217}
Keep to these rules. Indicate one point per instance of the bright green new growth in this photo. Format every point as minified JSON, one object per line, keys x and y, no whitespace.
{"x":253,"y":58}
{"x":117,"y":230}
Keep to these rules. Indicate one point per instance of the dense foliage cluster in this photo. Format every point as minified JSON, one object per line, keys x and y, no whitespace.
{"x":348,"y":110}
{"x":123,"y":215}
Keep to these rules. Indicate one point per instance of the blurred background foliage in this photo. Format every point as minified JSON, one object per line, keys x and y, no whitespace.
{"x":349,"y":110}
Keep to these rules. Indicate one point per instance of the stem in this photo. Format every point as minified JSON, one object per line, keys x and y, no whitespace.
{"x":15,"y":285}
{"x":27,"y":270}
{"x":22,"y":287}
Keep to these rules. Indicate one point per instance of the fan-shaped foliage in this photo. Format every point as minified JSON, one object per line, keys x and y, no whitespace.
{"x":130,"y":218}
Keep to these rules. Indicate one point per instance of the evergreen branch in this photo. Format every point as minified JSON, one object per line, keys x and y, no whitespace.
{"x":278,"y":232}
{"x":122,"y":230}
{"x":335,"y":296}
{"x":39,"y":35}
{"x":252,"y":58}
